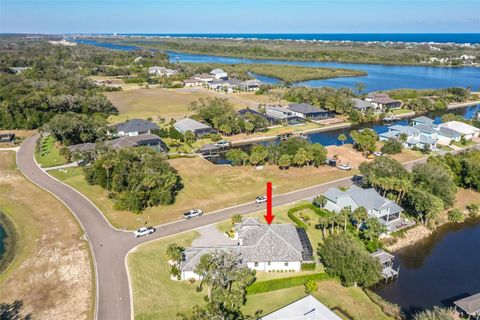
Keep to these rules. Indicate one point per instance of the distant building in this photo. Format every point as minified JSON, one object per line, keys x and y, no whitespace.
{"x":243,"y":113}
{"x":219,"y":74}
{"x":385,"y":210}
{"x":307,"y":308}
{"x":62,"y":42}
{"x":251,"y":85}
{"x":198,"y":128}
{"x":382,"y":101}
{"x":144,"y":140}
{"x":362,"y":105}
{"x":204,"y":77}
{"x":191,"y":82}
{"x":415,"y":136}
{"x":307,"y":111}
{"x":162,"y":71}
{"x":82,"y":147}
{"x":135,"y":127}
{"x":261,"y":247}
{"x":468,"y":132}
{"x":283,"y":115}
{"x":422,"y":120}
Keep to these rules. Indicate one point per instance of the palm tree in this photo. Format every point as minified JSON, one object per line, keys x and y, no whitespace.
{"x":359,"y":215}
{"x":342,"y":138}
{"x":236,"y":218}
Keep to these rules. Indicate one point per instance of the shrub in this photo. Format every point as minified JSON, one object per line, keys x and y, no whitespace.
{"x":455,"y":215}
{"x":392,"y":147}
{"x":311,"y":286}
{"x":309,"y":266}
{"x":473,"y":210}
{"x":282,"y":283}
{"x":390,"y":309}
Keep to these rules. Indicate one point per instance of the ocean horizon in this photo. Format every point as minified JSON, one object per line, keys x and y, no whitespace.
{"x":459,"y":38}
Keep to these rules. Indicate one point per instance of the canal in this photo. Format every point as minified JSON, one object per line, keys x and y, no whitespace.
{"x":437,"y":270}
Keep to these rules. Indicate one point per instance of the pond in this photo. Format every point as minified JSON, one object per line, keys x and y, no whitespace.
{"x":438,"y":270}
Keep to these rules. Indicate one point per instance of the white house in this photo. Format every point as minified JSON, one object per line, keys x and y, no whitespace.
{"x":261,"y":247}
{"x":204,"y":77}
{"x":161,"y":71}
{"x":468,"y":132}
{"x":306,"y":308}
{"x":191,"y":82}
{"x":219,"y":74}
{"x":385,"y":210}
{"x":419,"y":136}
{"x":382,"y":101}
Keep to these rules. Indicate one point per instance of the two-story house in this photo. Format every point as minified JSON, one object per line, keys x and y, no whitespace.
{"x":385,"y":210}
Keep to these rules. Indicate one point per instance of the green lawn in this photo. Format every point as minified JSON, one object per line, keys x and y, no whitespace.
{"x":401,"y":111}
{"x":49,"y":154}
{"x":467,"y":143}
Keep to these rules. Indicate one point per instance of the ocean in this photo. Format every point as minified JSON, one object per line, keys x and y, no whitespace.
{"x":473,"y":38}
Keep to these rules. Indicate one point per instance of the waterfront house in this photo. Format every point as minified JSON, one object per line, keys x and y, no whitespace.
{"x":283,"y":115}
{"x":423,"y":120}
{"x":161,"y":71}
{"x":251,"y":85}
{"x":382,"y":101}
{"x":135,"y":127}
{"x":307,"y":111}
{"x":385,"y":210}
{"x":362,"y":105}
{"x":143,"y":140}
{"x":244,"y":112}
{"x":198,"y":128}
{"x":219,"y":74}
{"x":467,"y":131}
{"x":415,"y":137}
{"x":261,"y":247}
{"x":306,"y":308}
{"x":216,"y":84}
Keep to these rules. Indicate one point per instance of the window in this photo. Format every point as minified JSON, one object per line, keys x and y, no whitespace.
{"x":256,"y":264}
{"x":286,"y":264}
{"x":268,"y":263}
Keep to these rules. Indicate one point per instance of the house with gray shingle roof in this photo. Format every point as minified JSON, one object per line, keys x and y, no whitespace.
{"x":135,"y":127}
{"x":259,"y":247}
{"x":362,"y":105}
{"x":143,"y":140}
{"x":382,"y":101}
{"x":308,"y":111}
{"x":385,"y":210}
{"x":198,"y":128}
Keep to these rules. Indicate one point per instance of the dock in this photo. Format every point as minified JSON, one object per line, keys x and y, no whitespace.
{"x":386,"y":260}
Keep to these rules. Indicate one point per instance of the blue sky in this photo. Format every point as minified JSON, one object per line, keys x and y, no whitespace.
{"x":233,"y":16}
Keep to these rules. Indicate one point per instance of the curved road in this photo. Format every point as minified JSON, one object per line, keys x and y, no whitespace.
{"x":110,"y":246}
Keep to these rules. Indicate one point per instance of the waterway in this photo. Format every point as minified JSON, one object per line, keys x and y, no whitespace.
{"x":437,"y":270}
{"x":380,"y":77}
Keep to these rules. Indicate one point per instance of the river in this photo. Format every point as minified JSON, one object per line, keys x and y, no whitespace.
{"x":380,"y":77}
{"x":437,"y":270}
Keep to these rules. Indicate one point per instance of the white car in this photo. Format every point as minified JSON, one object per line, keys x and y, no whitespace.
{"x":222,"y":144}
{"x":144,"y":231}
{"x":260,"y":199}
{"x":344,"y":167}
{"x":378,"y":153}
{"x":193,"y":213}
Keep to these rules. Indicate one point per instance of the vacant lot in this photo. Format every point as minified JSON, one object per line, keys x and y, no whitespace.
{"x":206,"y":186}
{"x":51,"y":271}
{"x":156,"y":296}
{"x":49,"y":153}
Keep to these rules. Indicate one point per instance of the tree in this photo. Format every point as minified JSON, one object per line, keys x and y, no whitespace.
{"x":236,"y":218}
{"x":423,"y":204}
{"x":473,"y":210}
{"x":342,"y":138}
{"x":436,"y":178}
{"x":175,"y":252}
{"x":189,"y":137}
{"x":345,"y":257}
{"x":311,"y":286}
{"x":320,"y":201}
{"x":364,"y":140}
{"x":302,"y":157}
{"x":391,"y":147}
{"x":359,"y":215}
{"x":318,"y":154}
{"x":258,"y":155}
{"x":12,"y":311}
{"x":435,"y":314}
{"x":372,"y":229}
{"x":285,"y":161}
{"x":360,"y":87}
{"x":237,"y":156}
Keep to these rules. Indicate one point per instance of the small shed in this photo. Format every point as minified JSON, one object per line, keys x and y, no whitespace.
{"x":7,"y":137}
{"x":470,"y":306}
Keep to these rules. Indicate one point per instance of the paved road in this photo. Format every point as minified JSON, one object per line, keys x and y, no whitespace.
{"x":110,"y":246}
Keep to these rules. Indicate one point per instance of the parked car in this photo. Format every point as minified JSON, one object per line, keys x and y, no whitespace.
{"x":357,"y":179}
{"x":260,"y":199}
{"x":344,"y":167}
{"x":144,"y":231}
{"x":222,"y":144}
{"x":192,"y":214}
{"x":378,"y":153}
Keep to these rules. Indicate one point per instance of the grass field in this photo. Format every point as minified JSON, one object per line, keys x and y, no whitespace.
{"x":206,"y":186}
{"x":289,"y":73}
{"x":49,"y":154}
{"x":51,"y":270}
{"x":156,"y":296}
{"x":155,"y":103}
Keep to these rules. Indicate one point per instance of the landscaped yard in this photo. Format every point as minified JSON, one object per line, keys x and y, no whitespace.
{"x":49,"y":154}
{"x":206,"y":186}
{"x":51,"y":270}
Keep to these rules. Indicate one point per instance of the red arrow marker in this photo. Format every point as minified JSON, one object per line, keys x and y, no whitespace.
{"x":269,"y":216}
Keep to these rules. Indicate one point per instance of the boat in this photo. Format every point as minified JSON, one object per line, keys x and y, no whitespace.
{"x":391,"y":118}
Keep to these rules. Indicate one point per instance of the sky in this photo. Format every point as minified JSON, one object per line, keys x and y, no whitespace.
{"x":239,"y":16}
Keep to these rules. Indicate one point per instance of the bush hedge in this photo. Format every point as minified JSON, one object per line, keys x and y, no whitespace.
{"x":309,"y":266}
{"x":291,"y":214}
{"x":283,"y":283}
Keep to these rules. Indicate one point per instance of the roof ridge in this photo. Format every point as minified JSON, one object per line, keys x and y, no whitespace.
{"x":284,"y":239}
